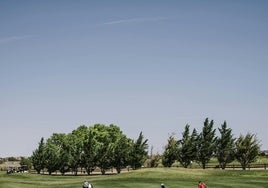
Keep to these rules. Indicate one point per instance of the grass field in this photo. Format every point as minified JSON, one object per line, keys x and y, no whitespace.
{"x":144,"y":178}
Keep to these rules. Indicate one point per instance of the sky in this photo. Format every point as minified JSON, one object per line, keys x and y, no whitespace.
{"x":145,"y":66}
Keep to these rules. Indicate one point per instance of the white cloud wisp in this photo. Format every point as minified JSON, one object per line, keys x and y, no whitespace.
{"x":14,"y":38}
{"x":135,"y":20}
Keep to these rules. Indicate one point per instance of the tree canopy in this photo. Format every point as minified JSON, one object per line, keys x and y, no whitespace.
{"x":99,"y":146}
{"x":107,"y":147}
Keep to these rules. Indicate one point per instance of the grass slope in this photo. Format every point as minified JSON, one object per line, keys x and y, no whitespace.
{"x":144,"y":178}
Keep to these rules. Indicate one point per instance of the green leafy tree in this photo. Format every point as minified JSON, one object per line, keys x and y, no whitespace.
{"x":76,"y":141}
{"x":103,"y":140}
{"x":64,"y":153}
{"x":38,"y":157}
{"x":12,"y":159}
{"x":247,"y":149}
{"x":118,"y":148}
{"x":225,"y":146}
{"x":139,"y":152}
{"x":187,"y":150}
{"x":59,"y":143}
{"x":120,"y":152}
{"x":26,"y":162}
{"x":100,"y":146}
{"x":206,"y":143}
{"x":170,"y":152}
{"x":52,"y":154}
{"x":89,"y":155}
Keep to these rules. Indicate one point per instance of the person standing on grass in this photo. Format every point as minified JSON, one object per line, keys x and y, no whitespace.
{"x":87,"y":185}
{"x":201,"y":185}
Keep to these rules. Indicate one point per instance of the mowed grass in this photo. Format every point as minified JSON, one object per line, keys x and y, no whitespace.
{"x":144,"y":178}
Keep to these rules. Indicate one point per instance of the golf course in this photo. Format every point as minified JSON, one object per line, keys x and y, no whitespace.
{"x":143,"y":178}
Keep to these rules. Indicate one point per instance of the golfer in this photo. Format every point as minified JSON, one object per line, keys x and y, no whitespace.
{"x":87,"y":185}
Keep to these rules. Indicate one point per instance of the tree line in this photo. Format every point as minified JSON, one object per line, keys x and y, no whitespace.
{"x":107,"y":147}
{"x":201,"y":147}
{"x":90,"y":147}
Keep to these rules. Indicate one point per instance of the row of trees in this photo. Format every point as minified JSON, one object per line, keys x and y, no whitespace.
{"x":100,"y":146}
{"x":107,"y":147}
{"x":205,"y":145}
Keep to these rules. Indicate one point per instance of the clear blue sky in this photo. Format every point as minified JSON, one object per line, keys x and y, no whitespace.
{"x":150,"y":66}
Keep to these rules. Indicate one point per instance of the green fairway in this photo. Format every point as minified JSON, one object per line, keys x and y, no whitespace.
{"x":144,"y":178}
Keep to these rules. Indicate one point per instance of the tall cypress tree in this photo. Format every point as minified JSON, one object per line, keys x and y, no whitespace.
{"x":139,"y":152}
{"x":171,"y":152}
{"x":247,"y":149}
{"x":38,"y":158}
{"x":206,"y":143}
{"x":187,"y":147}
{"x":225,"y":146}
